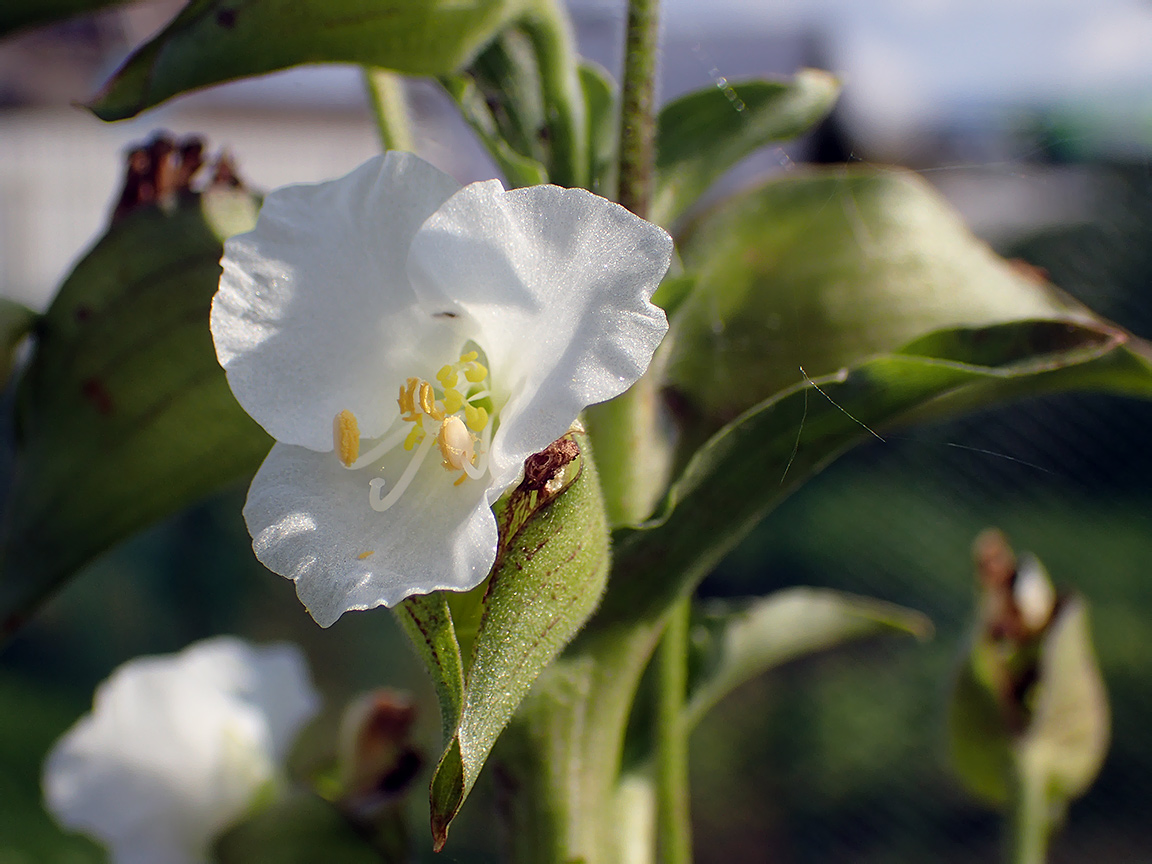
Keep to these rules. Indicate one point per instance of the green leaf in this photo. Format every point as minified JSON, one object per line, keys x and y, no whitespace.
{"x":548,"y":578}
{"x":733,"y":643}
{"x":519,"y":170}
{"x":16,"y":321}
{"x":18,"y":14}
{"x":751,"y":464}
{"x":427,"y":620}
{"x":600,"y":107}
{"x":703,"y":134}
{"x":212,"y":41}
{"x":124,"y":415}
{"x":818,"y":269}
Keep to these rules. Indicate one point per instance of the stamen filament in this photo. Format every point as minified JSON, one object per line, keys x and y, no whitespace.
{"x":380,"y":504}
{"x":389,"y":442}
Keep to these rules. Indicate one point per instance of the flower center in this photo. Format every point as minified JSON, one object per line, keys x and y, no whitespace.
{"x":444,"y":415}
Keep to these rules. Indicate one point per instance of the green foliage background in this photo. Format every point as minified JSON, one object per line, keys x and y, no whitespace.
{"x":836,"y":758}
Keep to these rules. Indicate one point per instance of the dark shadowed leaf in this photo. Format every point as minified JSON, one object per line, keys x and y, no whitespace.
{"x":124,"y":415}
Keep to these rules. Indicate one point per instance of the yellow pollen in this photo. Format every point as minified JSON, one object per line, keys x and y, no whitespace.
{"x":475,"y":372}
{"x":346,"y":437}
{"x":469,"y":357}
{"x":367,"y":554}
{"x":476,"y":417}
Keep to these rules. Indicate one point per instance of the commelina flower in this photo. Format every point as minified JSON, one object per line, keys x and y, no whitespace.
{"x":409,"y":343}
{"x":177,"y":748}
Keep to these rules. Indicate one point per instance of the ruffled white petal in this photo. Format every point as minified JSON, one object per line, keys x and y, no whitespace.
{"x":315,"y":314}
{"x":177,"y":746}
{"x":559,"y":283}
{"x":310,"y":521}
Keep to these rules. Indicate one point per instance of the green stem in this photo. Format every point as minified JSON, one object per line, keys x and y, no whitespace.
{"x":551,"y":33}
{"x":1029,"y":821}
{"x":389,"y":108}
{"x":638,"y":106}
{"x":673,"y":819}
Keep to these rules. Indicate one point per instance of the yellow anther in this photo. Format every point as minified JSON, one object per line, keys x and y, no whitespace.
{"x":346,"y":437}
{"x":453,"y":400}
{"x":469,"y":357}
{"x":448,"y":376}
{"x":475,"y":372}
{"x":415,"y":436}
{"x":367,"y":554}
{"x":475,"y":416}
{"x":407,"y":400}
{"x":460,"y":479}
{"x":428,"y":402}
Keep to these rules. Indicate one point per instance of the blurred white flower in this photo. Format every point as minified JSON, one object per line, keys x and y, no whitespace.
{"x":368,"y":321}
{"x":177,"y":747}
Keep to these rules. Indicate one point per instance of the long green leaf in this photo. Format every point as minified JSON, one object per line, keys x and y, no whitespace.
{"x":212,"y":41}
{"x":550,"y":573}
{"x":124,"y":415}
{"x":755,"y":461}
{"x":703,"y":134}
{"x":735,"y":643}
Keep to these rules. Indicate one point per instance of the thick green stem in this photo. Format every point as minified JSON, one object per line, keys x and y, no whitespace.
{"x":558,"y":763}
{"x":389,"y":108}
{"x":551,"y":33}
{"x":638,"y":107}
{"x":674,"y":825}
{"x":1030,"y":822}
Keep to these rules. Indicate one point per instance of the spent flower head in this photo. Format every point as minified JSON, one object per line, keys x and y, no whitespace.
{"x":409,"y":343}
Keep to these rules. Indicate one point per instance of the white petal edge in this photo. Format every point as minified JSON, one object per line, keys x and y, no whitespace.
{"x":176,"y":746}
{"x":310,"y":522}
{"x":559,"y":281}
{"x":314,"y":309}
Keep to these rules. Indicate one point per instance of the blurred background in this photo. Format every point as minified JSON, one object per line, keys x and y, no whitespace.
{"x":1034,"y":117}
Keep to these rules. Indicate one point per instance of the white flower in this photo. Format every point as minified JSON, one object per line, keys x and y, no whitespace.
{"x":368,"y":321}
{"x":177,"y":747}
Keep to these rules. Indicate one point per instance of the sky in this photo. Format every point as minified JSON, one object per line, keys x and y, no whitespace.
{"x":906,"y":60}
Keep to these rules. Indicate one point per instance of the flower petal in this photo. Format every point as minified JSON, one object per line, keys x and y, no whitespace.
{"x":315,"y":313}
{"x":559,"y":283}
{"x":310,"y":521}
{"x":176,"y":747}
